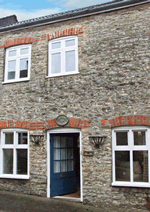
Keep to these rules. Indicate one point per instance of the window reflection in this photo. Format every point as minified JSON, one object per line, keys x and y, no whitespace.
{"x":140,"y":166}
{"x":22,"y":161}
{"x":122,"y":159}
{"x":139,"y":138}
{"x":8,"y":161}
{"x":121,"y":138}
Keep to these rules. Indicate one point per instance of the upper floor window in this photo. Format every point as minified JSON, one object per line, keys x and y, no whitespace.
{"x":63,"y":56}
{"x":14,"y":154}
{"x":17,"y":63}
{"x":131,"y":155}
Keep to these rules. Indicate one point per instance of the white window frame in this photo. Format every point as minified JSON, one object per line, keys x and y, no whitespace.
{"x":130,"y":147}
{"x":62,"y":50}
{"x":14,"y":147}
{"x":17,"y":57}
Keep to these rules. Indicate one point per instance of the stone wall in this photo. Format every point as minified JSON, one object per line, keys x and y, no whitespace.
{"x":113,"y":81}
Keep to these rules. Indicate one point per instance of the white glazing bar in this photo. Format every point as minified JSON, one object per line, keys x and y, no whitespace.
{"x":2,"y":139}
{"x":131,"y":166}
{"x":15,"y":154}
{"x":113,"y":155}
{"x":113,"y":166}
{"x":130,"y":144}
{"x":28,"y":155}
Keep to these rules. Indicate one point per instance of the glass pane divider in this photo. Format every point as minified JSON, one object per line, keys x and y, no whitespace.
{"x":7,"y":146}
{"x":15,"y":139}
{"x":1,"y":158}
{"x":123,"y":148}
{"x":130,"y":139}
{"x":131,"y":166}
{"x":140,"y":148}
{"x":14,"y":161}
{"x":113,"y":166}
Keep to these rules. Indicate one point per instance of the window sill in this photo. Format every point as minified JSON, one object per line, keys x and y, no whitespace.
{"x":14,"y":81}
{"x":8,"y":176}
{"x":60,"y":74}
{"x":134,"y":184}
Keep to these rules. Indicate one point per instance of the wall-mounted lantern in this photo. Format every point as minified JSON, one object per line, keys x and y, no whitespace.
{"x":97,"y":140}
{"x":36,"y":139}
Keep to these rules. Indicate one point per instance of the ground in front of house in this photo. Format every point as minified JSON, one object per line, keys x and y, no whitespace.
{"x":14,"y":202}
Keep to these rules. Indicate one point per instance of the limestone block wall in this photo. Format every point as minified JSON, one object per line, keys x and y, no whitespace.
{"x":114,"y":81}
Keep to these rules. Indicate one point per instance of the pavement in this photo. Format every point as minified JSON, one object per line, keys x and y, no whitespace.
{"x":16,"y":202}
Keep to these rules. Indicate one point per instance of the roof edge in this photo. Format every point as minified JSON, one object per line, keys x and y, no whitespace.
{"x":73,"y":14}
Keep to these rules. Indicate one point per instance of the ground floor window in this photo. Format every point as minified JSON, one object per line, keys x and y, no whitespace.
{"x":131,"y":153}
{"x":14,"y":154}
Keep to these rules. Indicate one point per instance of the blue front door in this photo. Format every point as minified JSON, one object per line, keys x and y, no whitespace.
{"x":63,"y":164}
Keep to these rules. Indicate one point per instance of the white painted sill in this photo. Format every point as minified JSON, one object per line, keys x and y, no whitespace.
{"x":8,"y":176}
{"x":60,"y":75}
{"x":127,"y":184}
{"x":14,"y":81}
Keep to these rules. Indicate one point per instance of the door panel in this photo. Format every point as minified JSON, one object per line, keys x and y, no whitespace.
{"x":63,"y":169}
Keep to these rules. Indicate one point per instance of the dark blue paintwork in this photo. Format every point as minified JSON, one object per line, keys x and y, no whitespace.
{"x":63,"y":182}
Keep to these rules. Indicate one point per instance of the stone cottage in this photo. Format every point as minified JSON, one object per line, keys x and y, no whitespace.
{"x":75,"y":104}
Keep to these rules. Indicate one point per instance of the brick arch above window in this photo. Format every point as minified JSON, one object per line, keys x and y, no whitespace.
{"x":137,"y":120}
{"x":50,"y":124}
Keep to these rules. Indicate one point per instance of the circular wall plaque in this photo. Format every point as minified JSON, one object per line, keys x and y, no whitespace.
{"x":62,"y":120}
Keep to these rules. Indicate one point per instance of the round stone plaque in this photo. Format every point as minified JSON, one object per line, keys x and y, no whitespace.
{"x":62,"y":120}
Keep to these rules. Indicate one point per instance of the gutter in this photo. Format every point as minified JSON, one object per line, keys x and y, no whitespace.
{"x":65,"y":17}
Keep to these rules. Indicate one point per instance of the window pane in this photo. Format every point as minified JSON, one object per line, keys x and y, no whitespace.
{"x":56,"y":166}
{"x":22,"y":161}
{"x":63,"y":166}
{"x":70,"y":142}
{"x":140,"y":166}
{"x":70,"y":153}
{"x":22,"y":138}
{"x":12,"y":53}
{"x":23,"y":67}
{"x":56,"y":154}
{"x":56,"y":45}
{"x":12,"y":65}
{"x":70,"y":42}
{"x":139,"y":138}
{"x":24,"y":51}
{"x":11,"y":75}
{"x":63,"y":154}
{"x":63,"y":142}
{"x":56,"y":63}
{"x":70,"y":165}
{"x":8,"y":161}
{"x":70,"y":60}
{"x":11,"y":69}
{"x":122,"y":162}
{"x":9,"y":138}
{"x":121,"y":138}
{"x":56,"y":141}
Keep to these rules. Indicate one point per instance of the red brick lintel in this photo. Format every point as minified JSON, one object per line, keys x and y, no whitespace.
{"x":74,"y":123}
{"x":18,"y":41}
{"x":137,"y":120}
{"x":57,"y":34}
